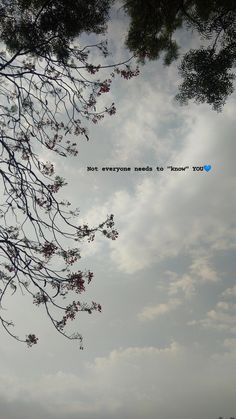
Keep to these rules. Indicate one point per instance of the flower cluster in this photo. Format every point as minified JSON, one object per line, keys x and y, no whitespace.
{"x":75,"y":282}
{"x":128,"y":73}
{"x":96,"y":118}
{"x":70,"y":256}
{"x":40,"y":298}
{"x":47,"y":168}
{"x":43,"y":202}
{"x":48,"y":249}
{"x":105,"y":87}
{"x":58,"y":183}
{"x":92,"y":69}
{"x":111,"y":110}
{"x":31,"y":340}
{"x":113,"y":234}
{"x":84,"y":231}
{"x":71,"y":149}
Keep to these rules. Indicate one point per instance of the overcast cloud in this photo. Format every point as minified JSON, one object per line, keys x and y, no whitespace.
{"x":165,"y":342}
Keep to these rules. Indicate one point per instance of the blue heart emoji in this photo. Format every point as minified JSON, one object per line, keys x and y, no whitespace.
{"x":207,"y":167}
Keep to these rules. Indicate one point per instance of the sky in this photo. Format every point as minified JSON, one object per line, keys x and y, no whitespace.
{"x":165,"y":342}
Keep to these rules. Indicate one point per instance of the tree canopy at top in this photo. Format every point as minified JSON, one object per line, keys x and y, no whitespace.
{"x":49,"y":26}
{"x":206,"y":71}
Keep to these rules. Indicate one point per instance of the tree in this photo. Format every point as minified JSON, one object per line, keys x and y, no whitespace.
{"x":48,"y":26}
{"x":49,"y":91}
{"x":207,"y":71}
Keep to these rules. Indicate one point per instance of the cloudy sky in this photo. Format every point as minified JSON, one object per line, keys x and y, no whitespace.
{"x":165,"y":342}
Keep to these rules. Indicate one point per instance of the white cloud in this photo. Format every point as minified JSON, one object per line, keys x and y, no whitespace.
{"x":203,"y":270}
{"x":186,"y":284}
{"x":102,"y":387}
{"x":221,"y":318}
{"x":168,"y":214}
{"x":199,"y":272}
{"x":153,"y":312}
{"x":134,"y":381}
{"x":230,"y":292}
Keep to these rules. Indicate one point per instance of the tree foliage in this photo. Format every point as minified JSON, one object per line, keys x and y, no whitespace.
{"x":49,"y":90}
{"x":44,"y":26}
{"x":207,"y":71}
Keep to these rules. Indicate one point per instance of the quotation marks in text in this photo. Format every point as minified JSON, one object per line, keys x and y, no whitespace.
{"x":206,"y":168}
